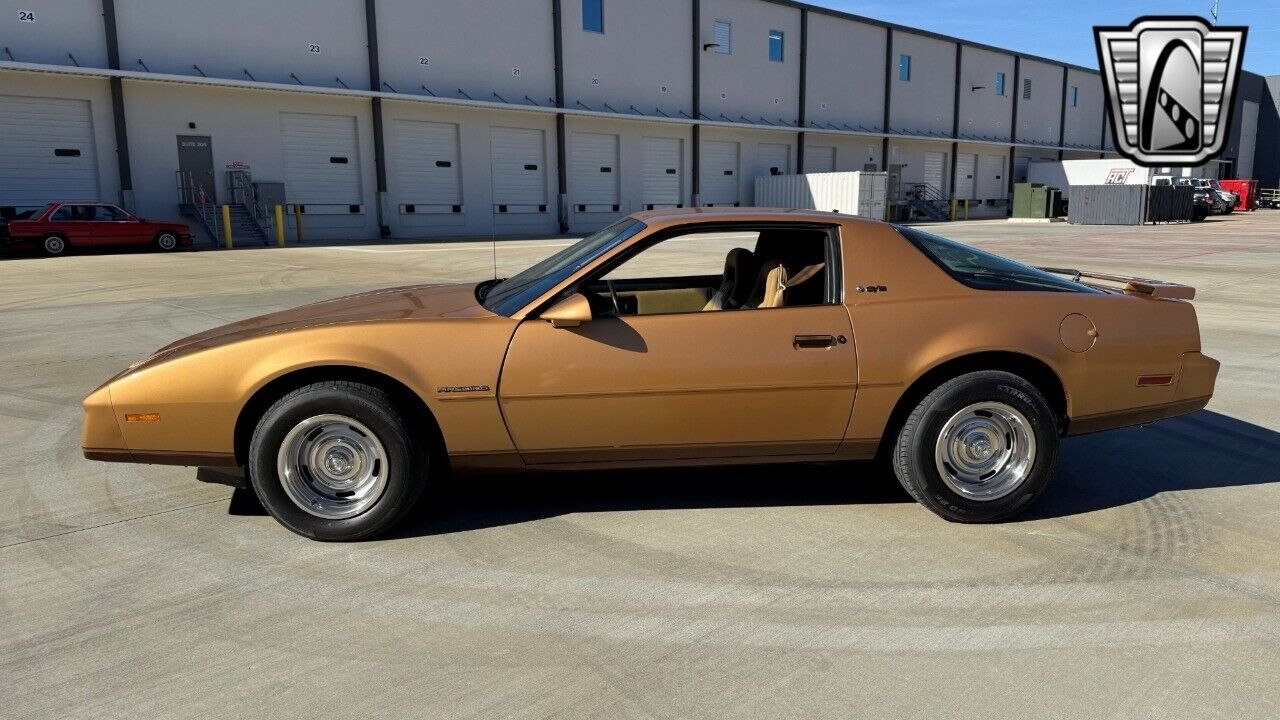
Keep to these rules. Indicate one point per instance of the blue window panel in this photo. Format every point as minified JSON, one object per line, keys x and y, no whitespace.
{"x":593,"y":15}
{"x":775,"y":45}
{"x":1000,"y":84}
{"x":1072,"y":92}
{"x":904,"y":68}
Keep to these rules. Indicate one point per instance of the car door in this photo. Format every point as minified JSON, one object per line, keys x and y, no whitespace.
{"x":113,"y":226}
{"x":680,"y":382}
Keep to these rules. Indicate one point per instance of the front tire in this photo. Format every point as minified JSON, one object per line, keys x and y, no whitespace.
{"x":979,"y":448}
{"x":336,"y":461}
{"x":166,"y":242}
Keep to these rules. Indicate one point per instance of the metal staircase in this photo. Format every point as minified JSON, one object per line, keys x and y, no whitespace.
{"x":927,"y":201}
{"x":194,"y":202}
{"x":248,"y":221}
{"x":244,"y":228}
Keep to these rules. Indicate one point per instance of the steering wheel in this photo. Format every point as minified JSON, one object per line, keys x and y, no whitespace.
{"x":617,"y":311}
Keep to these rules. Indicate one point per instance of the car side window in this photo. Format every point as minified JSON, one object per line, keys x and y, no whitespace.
{"x":727,"y":269}
{"x":63,"y":214}
{"x":108,"y":213}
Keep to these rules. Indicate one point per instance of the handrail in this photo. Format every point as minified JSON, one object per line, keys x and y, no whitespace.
{"x":192,"y":193}
{"x":240,"y":184}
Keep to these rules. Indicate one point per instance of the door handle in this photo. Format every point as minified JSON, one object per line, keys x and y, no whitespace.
{"x":813,"y":342}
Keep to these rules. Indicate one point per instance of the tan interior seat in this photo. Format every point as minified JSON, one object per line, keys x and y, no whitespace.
{"x":777,"y":282}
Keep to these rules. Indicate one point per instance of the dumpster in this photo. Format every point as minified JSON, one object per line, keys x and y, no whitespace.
{"x":1245,"y":190}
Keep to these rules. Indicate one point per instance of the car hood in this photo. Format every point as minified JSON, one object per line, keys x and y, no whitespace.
{"x":412,"y":302}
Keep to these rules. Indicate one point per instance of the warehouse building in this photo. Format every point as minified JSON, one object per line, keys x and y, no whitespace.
{"x":427,"y":118}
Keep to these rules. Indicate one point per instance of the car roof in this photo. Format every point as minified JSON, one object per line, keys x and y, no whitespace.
{"x":744,"y":214}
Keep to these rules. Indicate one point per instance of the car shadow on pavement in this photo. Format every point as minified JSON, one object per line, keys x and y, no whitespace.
{"x":473,"y":502}
{"x":1094,"y":472}
{"x":1199,"y":451}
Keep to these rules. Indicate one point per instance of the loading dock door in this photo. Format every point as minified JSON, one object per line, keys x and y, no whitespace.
{"x":819,"y":159}
{"x":321,"y":162}
{"x":719,"y":173}
{"x":46,"y":151}
{"x":771,"y":156}
{"x":519,"y":170}
{"x":934,"y":162}
{"x":428,"y":175}
{"x":966,"y":170}
{"x":662,"y":165}
{"x":991,"y":181}
{"x":593,"y":173}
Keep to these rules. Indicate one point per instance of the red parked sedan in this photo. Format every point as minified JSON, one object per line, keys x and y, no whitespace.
{"x":62,"y":225}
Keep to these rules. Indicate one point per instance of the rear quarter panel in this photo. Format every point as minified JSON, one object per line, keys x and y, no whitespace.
{"x":925,"y":319}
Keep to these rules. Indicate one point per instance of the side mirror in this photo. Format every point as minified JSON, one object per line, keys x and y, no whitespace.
{"x":569,"y":312}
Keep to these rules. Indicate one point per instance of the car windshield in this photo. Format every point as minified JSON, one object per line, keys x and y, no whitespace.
{"x":508,"y":296}
{"x":984,"y":271}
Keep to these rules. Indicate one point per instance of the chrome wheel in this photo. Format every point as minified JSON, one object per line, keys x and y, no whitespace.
{"x":985,"y":451}
{"x":167,"y":242}
{"x":332,"y":466}
{"x":54,"y":245}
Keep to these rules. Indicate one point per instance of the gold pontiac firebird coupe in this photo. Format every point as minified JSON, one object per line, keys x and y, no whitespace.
{"x":676,"y":337}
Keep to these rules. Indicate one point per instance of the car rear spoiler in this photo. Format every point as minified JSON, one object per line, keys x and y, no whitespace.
{"x":1140,"y":286}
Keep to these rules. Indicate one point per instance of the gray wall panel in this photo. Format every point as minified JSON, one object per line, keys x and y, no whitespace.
{"x":1039,"y":115}
{"x":270,"y":39}
{"x":925,"y":102}
{"x":983,"y":113}
{"x":65,"y":26}
{"x":642,"y":58}
{"x":476,"y":46}
{"x":846,"y":72}
{"x":746,"y":83}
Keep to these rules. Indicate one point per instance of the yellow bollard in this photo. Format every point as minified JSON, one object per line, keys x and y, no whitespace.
{"x":297,"y":222}
{"x":226,"y":225}
{"x":966,"y":209}
{"x":953,"y":209}
{"x":279,"y":226}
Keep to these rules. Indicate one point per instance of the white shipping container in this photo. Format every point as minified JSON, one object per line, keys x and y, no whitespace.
{"x":1063,"y":174}
{"x":851,"y":193}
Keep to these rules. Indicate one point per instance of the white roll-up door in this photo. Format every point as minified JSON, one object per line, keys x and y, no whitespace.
{"x":593,"y":172}
{"x":771,"y":156}
{"x":662,"y":161}
{"x":428,"y":177}
{"x":934,"y":164}
{"x":991,"y":180}
{"x":819,"y":159}
{"x":966,"y":172}
{"x":719,"y":171}
{"x":46,"y":151}
{"x":519,"y":170}
{"x":1248,"y":140}
{"x":321,"y":162}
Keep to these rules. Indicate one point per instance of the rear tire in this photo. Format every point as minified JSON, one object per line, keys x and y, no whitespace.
{"x":54,"y":245}
{"x":166,"y":242}
{"x":336,"y":461}
{"x":979,"y":448}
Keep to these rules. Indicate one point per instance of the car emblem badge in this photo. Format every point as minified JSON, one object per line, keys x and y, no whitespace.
{"x":1170,"y":83}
